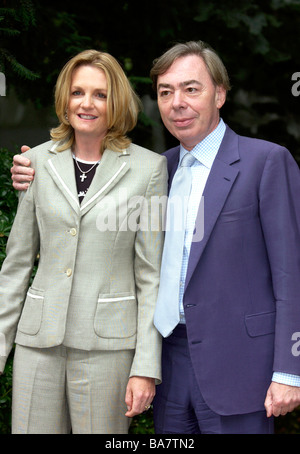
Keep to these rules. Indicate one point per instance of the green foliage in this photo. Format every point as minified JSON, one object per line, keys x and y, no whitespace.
{"x":257,"y":40}
{"x":8,"y":199}
{"x":142,"y":424}
{"x":50,"y":36}
{"x":12,"y":23}
{"x":288,"y":424}
{"x":8,"y":206}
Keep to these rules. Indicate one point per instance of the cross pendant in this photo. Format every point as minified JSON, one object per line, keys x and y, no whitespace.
{"x":83,"y":177}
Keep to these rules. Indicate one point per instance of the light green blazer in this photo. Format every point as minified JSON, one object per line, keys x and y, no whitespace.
{"x":99,"y":262}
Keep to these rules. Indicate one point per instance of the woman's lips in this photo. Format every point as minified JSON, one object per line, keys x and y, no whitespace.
{"x":87,"y":117}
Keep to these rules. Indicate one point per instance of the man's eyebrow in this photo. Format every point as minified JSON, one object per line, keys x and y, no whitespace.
{"x":190,"y":82}
{"x":182,"y":84}
{"x":164,"y":86}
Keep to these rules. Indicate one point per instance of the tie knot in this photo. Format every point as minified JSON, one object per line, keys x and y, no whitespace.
{"x":187,"y":160}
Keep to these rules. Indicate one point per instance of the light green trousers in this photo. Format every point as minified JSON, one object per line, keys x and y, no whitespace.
{"x":61,"y":390}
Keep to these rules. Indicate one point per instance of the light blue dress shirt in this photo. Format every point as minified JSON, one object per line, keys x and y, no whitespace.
{"x":205,"y":153}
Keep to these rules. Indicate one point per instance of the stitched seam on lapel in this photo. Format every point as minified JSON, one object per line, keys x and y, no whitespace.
{"x":104,"y":187}
{"x":106,"y":300}
{"x":64,"y":184}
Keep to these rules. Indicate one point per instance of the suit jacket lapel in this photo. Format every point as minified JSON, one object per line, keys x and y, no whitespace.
{"x":218,"y":186}
{"x":61,"y":169}
{"x":111,"y":169}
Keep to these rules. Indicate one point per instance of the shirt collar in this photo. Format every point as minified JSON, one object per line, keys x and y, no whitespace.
{"x":206,"y":151}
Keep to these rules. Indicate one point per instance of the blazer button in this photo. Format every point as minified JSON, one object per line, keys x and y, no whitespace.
{"x":73,"y":232}
{"x":69,"y":272}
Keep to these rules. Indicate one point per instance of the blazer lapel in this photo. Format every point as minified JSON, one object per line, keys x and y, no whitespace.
{"x":113,"y":166}
{"x":111,"y":169}
{"x":218,"y":186}
{"x":173,"y":161}
{"x":61,"y":169}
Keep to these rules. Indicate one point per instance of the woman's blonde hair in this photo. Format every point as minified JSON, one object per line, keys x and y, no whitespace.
{"x":123,"y":105}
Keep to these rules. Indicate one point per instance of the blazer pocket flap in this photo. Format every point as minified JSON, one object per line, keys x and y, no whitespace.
{"x":116,"y":316}
{"x":260,"y":324}
{"x":32,"y":313}
{"x":242,"y":214}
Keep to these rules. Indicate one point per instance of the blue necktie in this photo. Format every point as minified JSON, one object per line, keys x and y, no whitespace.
{"x":166,"y":315}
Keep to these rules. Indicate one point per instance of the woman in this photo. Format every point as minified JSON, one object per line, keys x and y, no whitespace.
{"x":87,"y":354}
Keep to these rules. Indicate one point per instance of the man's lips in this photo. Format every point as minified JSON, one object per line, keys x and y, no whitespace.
{"x":182,"y":122}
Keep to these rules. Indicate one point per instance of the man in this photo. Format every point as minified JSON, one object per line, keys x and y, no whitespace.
{"x":231,"y":324}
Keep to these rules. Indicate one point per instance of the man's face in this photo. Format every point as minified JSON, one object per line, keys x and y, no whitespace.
{"x":188,"y":100}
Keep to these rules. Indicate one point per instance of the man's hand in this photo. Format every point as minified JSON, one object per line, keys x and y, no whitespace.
{"x":140,"y":392}
{"x":281,"y":399}
{"x":22,"y":174}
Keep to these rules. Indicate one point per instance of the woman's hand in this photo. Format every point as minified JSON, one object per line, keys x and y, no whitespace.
{"x":140,"y":392}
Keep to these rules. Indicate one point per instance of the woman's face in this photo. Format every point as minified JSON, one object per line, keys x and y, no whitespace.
{"x":87,"y":109}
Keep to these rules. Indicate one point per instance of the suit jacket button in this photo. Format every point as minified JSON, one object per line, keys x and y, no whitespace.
{"x":69,"y":272}
{"x":73,"y":232}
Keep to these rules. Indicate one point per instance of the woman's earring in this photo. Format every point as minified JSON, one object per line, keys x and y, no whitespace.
{"x":66,"y":116}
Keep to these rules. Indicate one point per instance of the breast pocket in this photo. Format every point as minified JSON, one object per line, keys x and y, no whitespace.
{"x":32,"y":314}
{"x":116,"y":317}
{"x":241,"y":214}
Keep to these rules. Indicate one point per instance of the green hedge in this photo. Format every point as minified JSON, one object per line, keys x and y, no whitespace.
{"x":143,"y":424}
{"x":8,"y":205}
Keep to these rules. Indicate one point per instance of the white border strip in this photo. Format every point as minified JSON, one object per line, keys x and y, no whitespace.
{"x":36,"y":297}
{"x":124,"y":298}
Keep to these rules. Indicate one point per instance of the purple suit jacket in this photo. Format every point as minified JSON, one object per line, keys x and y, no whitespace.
{"x":242,"y":294}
